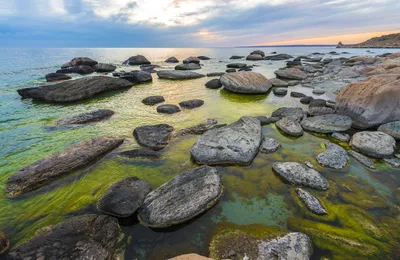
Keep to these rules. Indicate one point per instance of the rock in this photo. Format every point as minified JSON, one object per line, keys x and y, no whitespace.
{"x":137,"y":60}
{"x":393,"y":161}
{"x":319,"y":111}
{"x":299,"y":175}
{"x":318,"y":103}
{"x":4,"y":245}
{"x":258,"y":52}
{"x":333,"y":157}
{"x":237,"y":143}
{"x":55,"y":166}
{"x":297,"y":94}
{"x":89,"y":117}
{"x":294,"y":63}
{"x":137,"y":76}
{"x":182,"y":198}
{"x":309,"y":69}
{"x":142,"y":152}
{"x":306,"y":100}
{"x":278,"y":57}
{"x":230,"y":70}
{"x":215,"y":74}
{"x":311,"y":202}
{"x":291,"y":73}
{"x":363,"y":159}
{"x":57,"y":77}
{"x":236,"y":65}
{"x":343,"y":137}
{"x":269,"y":145}
{"x":309,"y":164}
{"x":235,"y":57}
{"x":199,"y":129}
{"x":149,"y":68}
{"x":291,"y":246}
{"x":82,"y":69}
{"x":190,"y":104}
{"x":155,"y":137}
{"x":82,"y":237}
{"x":74,"y":90}
{"x":327,"y":123}
{"x":102,"y":67}
{"x":278,"y":82}
{"x":248,"y":68}
{"x":374,"y":144}
{"x":80,"y":61}
{"x":295,"y":113}
{"x":264,"y":120}
{"x":152,"y":100}
{"x":178,"y":74}
{"x":317,"y":91}
{"x":168,"y":109}
{"x":190,"y":257}
{"x":246,"y":82}
{"x":289,"y":127}
{"x":192,"y":59}
{"x":172,"y":60}
{"x":363,"y":101}
{"x":203,"y":58}
{"x":214,"y":84}
{"x":254,"y":57}
{"x":188,"y":66}
{"x":392,"y":129}
{"x":123,"y":198}
{"x":280,"y":91}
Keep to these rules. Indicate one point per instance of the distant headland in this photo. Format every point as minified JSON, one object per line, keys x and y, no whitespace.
{"x":385,"y":41}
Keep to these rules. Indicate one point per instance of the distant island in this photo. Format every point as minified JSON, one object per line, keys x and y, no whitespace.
{"x":385,"y":41}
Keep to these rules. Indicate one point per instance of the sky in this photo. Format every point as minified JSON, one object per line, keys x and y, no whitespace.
{"x":193,"y":23}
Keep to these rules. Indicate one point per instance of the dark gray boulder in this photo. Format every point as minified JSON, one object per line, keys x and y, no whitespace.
{"x":311,"y":202}
{"x":102,"y":67}
{"x":142,"y":152}
{"x":291,"y":73}
{"x":289,"y":127}
{"x":81,"y":69}
{"x":392,"y":129}
{"x":300,"y":175}
{"x":333,"y":157}
{"x":236,"y":65}
{"x":258,"y":52}
{"x":74,"y":90}
{"x":295,"y":113}
{"x":188,"y":66}
{"x":214,"y":84}
{"x":306,"y":100}
{"x":319,"y":111}
{"x":178,"y":74}
{"x":182,"y":198}
{"x":254,"y":57}
{"x":362,"y":159}
{"x":168,"y":109}
{"x":236,"y":57}
{"x":151,"y":68}
{"x":191,"y":59}
{"x":215,"y":74}
{"x":280,"y":91}
{"x":374,"y":144}
{"x":317,"y":103}
{"x":137,"y":60}
{"x":269,"y":145}
{"x":85,"y":118}
{"x":83,"y":237}
{"x":152,"y":100}
{"x":282,"y":56}
{"x":137,"y":76}
{"x":172,"y":60}
{"x":326,"y":124}
{"x":57,"y":77}
{"x":203,"y":58}
{"x":264,"y":120}
{"x":237,"y":143}
{"x":230,"y":70}
{"x":123,"y":198}
{"x":79,"y":61}
{"x":55,"y":166}
{"x":155,"y":137}
{"x":246,"y":82}
{"x":297,"y":94}
{"x":190,"y":104}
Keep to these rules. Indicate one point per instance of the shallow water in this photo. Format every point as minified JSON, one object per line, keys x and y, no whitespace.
{"x":253,"y":194}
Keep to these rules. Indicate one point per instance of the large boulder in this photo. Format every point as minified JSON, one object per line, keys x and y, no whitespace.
{"x":191,"y":59}
{"x":137,"y":76}
{"x":300,"y":175}
{"x":333,"y":157}
{"x":246,"y":82}
{"x":103,"y":67}
{"x":155,"y":137}
{"x":171,"y":60}
{"x":259,"y":52}
{"x":289,"y":127}
{"x":168,"y":109}
{"x":372,"y":102}
{"x":80,"y":61}
{"x":237,"y":143}
{"x":392,"y":129}
{"x":137,"y":60}
{"x":85,"y":118}
{"x":57,"y":77}
{"x":374,"y":144}
{"x":291,"y":73}
{"x":178,"y":74}
{"x":83,"y":237}
{"x":254,"y":57}
{"x":74,"y":90}
{"x":188,"y":66}
{"x":327,"y":123}
{"x":81,"y":69}
{"x":123,"y":198}
{"x":55,"y":166}
{"x":182,"y":198}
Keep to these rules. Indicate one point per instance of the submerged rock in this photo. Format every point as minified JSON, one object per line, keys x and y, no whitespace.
{"x":319,"y":111}
{"x":188,"y":66}
{"x":168,"y":109}
{"x":155,"y":137}
{"x":143,"y":152}
{"x":362,"y":159}
{"x":291,"y":73}
{"x":392,"y":129}
{"x":83,"y":237}
{"x":182,"y":198}
{"x":295,"y":113}
{"x":333,"y":157}
{"x":57,"y":77}
{"x":214,"y":84}
{"x":199,"y":129}
{"x":311,"y":202}
{"x":264,"y":120}
{"x":137,"y":76}
{"x":137,"y":60}
{"x":237,"y":143}
{"x":178,"y":74}
{"x":85,"y":118}
{"x":341,"y":136}
{"x":74,"y":90}
{"x":190,"y":104}
{"x":102,"y":67}
{"x":172,"y":60}
{"x":123,"y":198}
{"x":152,"y":100}
{"x":299,"y":175}
{"x":374,"y":144}
{"x":246,"y":82}
{"x":55,"y":166}
{"x":289,"y":127}
{"x":269,"y":145}
{"x":327,"y":123}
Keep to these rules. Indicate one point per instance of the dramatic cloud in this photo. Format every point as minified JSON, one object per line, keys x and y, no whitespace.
{"x":181,"y":23}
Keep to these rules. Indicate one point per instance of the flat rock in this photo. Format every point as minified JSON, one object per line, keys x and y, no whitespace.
{"x":254,"y":57}
{"x":392,"y":129}
{"x":155,"y":137}
{"x":152,"y":100}
{"x":182,"y":198}
{"x":81,"y":69}
{"x":80,"y":61}
{"x":123,"y":198}
{"x":214,"y":84}
{"x":178,"y":74}
{"x":188,"y":66}
{"x":291,"y":73}
{"x":306,"y":100}
{"x":317,"y":91}
{"x":295,"y":113}
{"x":55,"y":166}
{"x":137,"y":76}
{"x":230,"y":70}
{"x":327,"y":123}
{"x":300,"y":175}
{"x":83,"y":237}
{"x":168,"y":109}
{"x":289,"y":127}
{"x":333,"y":157}
{"x":280,"y":91}
{"x":103,"y":67}
{"x":269,"y":145}
{"x":236,"y":57}
{"x":236,"y":65}
{"x":278,"y":82}
{"x":237,"y":143}
{"x":362,"y":159}
{"x":215,"y":74}
{"x":172,"y":60}
{"x":57,"y":77}
{"x":203,"y":58}
{"x":137,"y":60}
{"x":319,"y":111}
{"x":282,"y":56}
{"x":190,"y":104}
{"x":374,"y":144}
{"x":318,"y":103}
{"x":85,"y":118}
{"x":199,"y":129}
{"x":311,"y":202}
{"x":246,"y":82}
{"x":341,"y":136}
{"x":74,"y":90}
{"x":191,"y":59}
{"x":142,"y":152}
{"x":297,"y":94}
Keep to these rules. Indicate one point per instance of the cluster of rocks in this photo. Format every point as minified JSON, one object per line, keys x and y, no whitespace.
{"x":170,"y":108}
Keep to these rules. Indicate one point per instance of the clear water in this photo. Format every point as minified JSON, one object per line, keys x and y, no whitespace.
{"x":253,"y":194}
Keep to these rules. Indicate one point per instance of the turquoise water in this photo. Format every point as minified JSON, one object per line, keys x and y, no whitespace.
{"x":253,"y":194}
